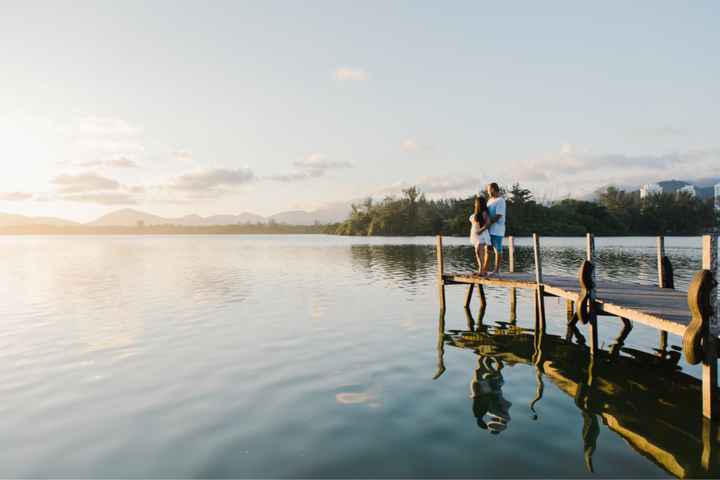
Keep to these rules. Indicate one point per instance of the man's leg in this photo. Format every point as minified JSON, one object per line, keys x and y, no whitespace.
{"x":497,"y":246}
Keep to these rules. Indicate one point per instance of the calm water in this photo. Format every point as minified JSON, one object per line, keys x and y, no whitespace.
{"x":314,"y":356}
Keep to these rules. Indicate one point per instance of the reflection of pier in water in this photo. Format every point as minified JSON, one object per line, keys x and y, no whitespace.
{"x":643,"y":397}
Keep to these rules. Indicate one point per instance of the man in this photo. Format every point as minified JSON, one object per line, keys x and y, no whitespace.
{"x":496,"y":207}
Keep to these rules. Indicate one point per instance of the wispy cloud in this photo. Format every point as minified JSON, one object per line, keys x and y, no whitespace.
{"x":15,"y":196}
{"x":121,"y":162}
{"x":84,"y":182}
{"x":576,"y":171}
{"x":351,"y":74}
{"x":658,"y":132}
{"x":439,"y":186}
{"x":103,"y":198}
{"x":182,"y":155}
{"x":211,"y":178}
{"x":411,"y":145}
{"x":312,"y":166}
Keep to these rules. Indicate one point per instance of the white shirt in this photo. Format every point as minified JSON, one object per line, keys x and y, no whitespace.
{"x":497,"y":207}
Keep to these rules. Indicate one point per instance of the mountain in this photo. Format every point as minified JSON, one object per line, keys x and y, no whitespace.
{"x":9,"y":220}
{"x":129,"y":217}
{"x":333,"y":213}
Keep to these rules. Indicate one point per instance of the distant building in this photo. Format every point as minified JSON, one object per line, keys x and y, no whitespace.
{"x":717,"y":197}
{"x":689,"y":189}
{"x":650,"y":189}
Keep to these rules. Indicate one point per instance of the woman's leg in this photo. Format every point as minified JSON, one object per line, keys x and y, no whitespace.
{"x":480,"y":256}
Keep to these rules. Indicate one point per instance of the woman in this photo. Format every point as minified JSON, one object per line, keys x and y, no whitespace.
{"x":479,"y":235}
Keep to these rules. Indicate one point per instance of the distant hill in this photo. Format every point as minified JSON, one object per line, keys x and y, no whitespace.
{"x":9,"y":220}
{"x":334,"y":213}
{"x":129,"y":217}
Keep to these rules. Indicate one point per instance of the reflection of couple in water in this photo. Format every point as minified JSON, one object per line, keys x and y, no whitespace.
{"x":486,"y":393}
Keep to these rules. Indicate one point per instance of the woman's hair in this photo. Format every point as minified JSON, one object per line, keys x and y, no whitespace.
{"x":480,"y":207}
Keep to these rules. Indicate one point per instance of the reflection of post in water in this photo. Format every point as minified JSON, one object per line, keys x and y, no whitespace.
{"x":709,"y":437}
{"x":584,"y":399}
{"x":513,"y":291}
{"x":620,"y":340}
{"x":538,"y":391}
{"x":440,"y":345}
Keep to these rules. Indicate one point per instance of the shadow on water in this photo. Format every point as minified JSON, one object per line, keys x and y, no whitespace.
{"x":643,"y":397}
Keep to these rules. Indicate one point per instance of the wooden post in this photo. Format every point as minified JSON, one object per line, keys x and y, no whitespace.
{"x":662,"y":274}
{"x":440,"y":270}
{"x":592,"y":326}
{"x":538,"y":263}
{"x":511,"y":254}
{"x":540,"y":290}
{"x":660,"y":265}
{"x":468,"y":295}
{"x":709,"y":368}
{"x":513,"y":291}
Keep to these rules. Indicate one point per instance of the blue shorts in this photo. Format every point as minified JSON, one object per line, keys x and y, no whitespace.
{"x":496,"y":242}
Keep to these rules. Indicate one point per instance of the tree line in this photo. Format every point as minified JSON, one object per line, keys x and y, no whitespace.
{"x":615,"y":212}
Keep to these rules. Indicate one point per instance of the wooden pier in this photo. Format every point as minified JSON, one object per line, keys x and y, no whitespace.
{"x":690,"y":315}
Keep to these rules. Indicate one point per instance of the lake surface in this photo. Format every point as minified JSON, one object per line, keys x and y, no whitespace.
{"x":315,"y":356}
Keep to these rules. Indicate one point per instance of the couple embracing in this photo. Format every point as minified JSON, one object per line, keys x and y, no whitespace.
{"x":488,"y":228}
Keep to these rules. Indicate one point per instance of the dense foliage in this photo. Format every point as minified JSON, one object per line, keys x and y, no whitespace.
{"x":616,"y":212}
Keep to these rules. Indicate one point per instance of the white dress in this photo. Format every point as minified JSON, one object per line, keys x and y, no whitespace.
{"x":475,"y":237}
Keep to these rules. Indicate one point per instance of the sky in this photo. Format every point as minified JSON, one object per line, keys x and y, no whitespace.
{"x":218,"y":107}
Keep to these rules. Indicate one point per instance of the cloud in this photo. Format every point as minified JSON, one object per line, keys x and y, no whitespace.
{"x":103,"y":198}
{"x":576,"y":171}
{"x":182,"y":155}
{"x":437,"y":186}
{"x":312,"y":166}
{"x":84,"y":182}
{"x":351,"y":74}
{"x":658,"y":132}
{"x":15,"y":196}
{"x":211,"y":178}
{"x":120,"y":162}
{"x":412,"y":145}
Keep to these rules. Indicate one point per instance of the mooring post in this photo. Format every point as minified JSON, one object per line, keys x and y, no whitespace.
{"x":590,"y":251}
{"x":709,"y":368}
{"x":540,"y":290}
{"x":513,"y":291}
{"x":662,"y":283}
{"x":440,"y":270}
{"x":660,"y":266}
